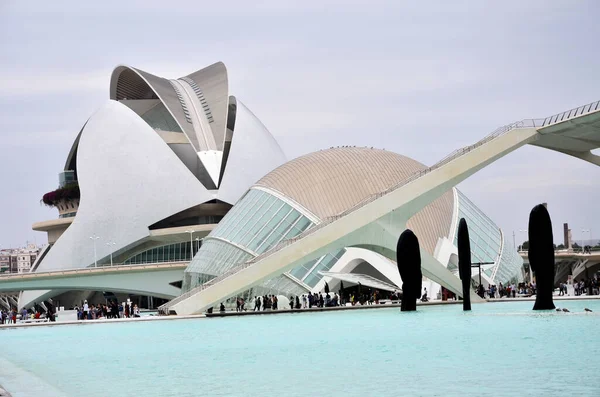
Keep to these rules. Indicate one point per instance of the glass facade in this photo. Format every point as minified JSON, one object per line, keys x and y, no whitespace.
{"x":510,"y":265}
{"x":309,"y":272}
{"x":256,"y":223}
{"x":66,"y":178}
{"x":487,"y":243}
{"x":159,"y":118}
{"x":178,"y":252}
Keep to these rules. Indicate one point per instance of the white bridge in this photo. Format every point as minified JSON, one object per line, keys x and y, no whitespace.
{"x":154,"y":279}
{"x":572,"y":263}
{"x":374,"y":223}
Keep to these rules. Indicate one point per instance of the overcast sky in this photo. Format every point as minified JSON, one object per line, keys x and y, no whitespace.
{"x":417,"y":78}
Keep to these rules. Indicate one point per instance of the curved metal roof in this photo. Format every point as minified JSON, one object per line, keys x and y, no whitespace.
{"x":331,"y":181}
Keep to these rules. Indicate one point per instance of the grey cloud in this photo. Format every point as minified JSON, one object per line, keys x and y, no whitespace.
{"x":418,"y":78}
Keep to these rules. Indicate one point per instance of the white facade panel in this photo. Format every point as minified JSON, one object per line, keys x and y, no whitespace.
{"x":254,"y":153}
{"x":129,"y":179}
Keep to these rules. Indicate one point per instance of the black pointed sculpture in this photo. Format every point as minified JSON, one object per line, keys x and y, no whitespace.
{"x":409,"y":265}
{"x":464,"y":262}
{"x":541,"y":256}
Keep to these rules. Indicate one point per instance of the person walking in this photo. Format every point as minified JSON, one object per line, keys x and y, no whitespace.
{"x":86,"y":309}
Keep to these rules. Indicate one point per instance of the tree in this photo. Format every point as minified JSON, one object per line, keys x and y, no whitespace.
{"x":525,"y":245}
{"x":575,"y":245}
{"x":561,"y":247}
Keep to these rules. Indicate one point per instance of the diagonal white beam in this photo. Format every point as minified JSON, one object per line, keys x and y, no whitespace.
{"x":408,"y":198}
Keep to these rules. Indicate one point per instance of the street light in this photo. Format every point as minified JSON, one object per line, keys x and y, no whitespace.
{"x":523,"y":231}
{"x":111,"y":250}
{"x":94,"y":238}
{"x":582,"y":240}
{"x":191,"y":232}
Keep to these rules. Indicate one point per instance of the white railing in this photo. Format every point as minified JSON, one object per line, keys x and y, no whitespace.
{"x":570,"y":114}
{"x":98,"y":269}
{"x":527,"y":123}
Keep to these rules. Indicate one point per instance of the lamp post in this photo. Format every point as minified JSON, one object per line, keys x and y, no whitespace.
{"x":94,"y":238}
{"x":589,"y":232}
{"x":522,"y":231}
{"x":191,"y":232}
{"x":111,"y":250}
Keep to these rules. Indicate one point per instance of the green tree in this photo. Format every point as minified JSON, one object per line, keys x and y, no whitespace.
{"x":525,"y":245}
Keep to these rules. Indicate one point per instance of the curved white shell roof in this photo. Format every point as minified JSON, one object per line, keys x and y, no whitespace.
{"x":331,"y":181}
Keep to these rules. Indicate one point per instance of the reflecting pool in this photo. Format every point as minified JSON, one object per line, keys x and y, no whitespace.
{"x":498,"y":348}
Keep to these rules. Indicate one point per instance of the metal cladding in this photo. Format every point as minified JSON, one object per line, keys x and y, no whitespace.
{"x":541,"y":256}
{"x":139,"y":161}
{"x":464,"y":262}
{"x":329,"y":182}
{"x":408,"y":257}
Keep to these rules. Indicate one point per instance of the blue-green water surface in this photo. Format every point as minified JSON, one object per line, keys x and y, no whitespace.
{"x":497,"y":349}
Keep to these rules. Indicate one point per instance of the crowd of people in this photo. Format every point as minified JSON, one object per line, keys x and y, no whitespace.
{"x":367,"y":296}
{"x":111,"y":310}
{"x":585,"y":287}
{"x":11,"y":316}
{"x":506,"y":291}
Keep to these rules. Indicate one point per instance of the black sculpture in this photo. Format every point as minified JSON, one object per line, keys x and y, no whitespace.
{"x":541,"y":256}
{"x":464,"y":262}
{"x":409,"y":265}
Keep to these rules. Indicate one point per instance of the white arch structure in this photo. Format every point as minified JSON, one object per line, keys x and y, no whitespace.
{"x":374,"y":223}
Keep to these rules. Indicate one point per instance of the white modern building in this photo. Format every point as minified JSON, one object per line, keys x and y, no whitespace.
{"x":375,"y":221}
{"x":154,"y":170}
{"x":151,"y":173}
{"x":308,"y":190}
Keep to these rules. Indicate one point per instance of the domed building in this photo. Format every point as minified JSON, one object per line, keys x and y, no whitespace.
{"x":313,"y":188}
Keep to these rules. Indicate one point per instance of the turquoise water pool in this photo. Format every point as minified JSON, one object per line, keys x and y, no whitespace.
{"x":507,"y":349}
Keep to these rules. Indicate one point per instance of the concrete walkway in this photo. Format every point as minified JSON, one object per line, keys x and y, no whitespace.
{"x":280,"y":311}
{"x":101,"y":321}
{"x":324,"y":309}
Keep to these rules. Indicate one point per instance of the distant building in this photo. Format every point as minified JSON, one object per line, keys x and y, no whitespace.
{"x":4,"y":262}
{"x":18,"y":260}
